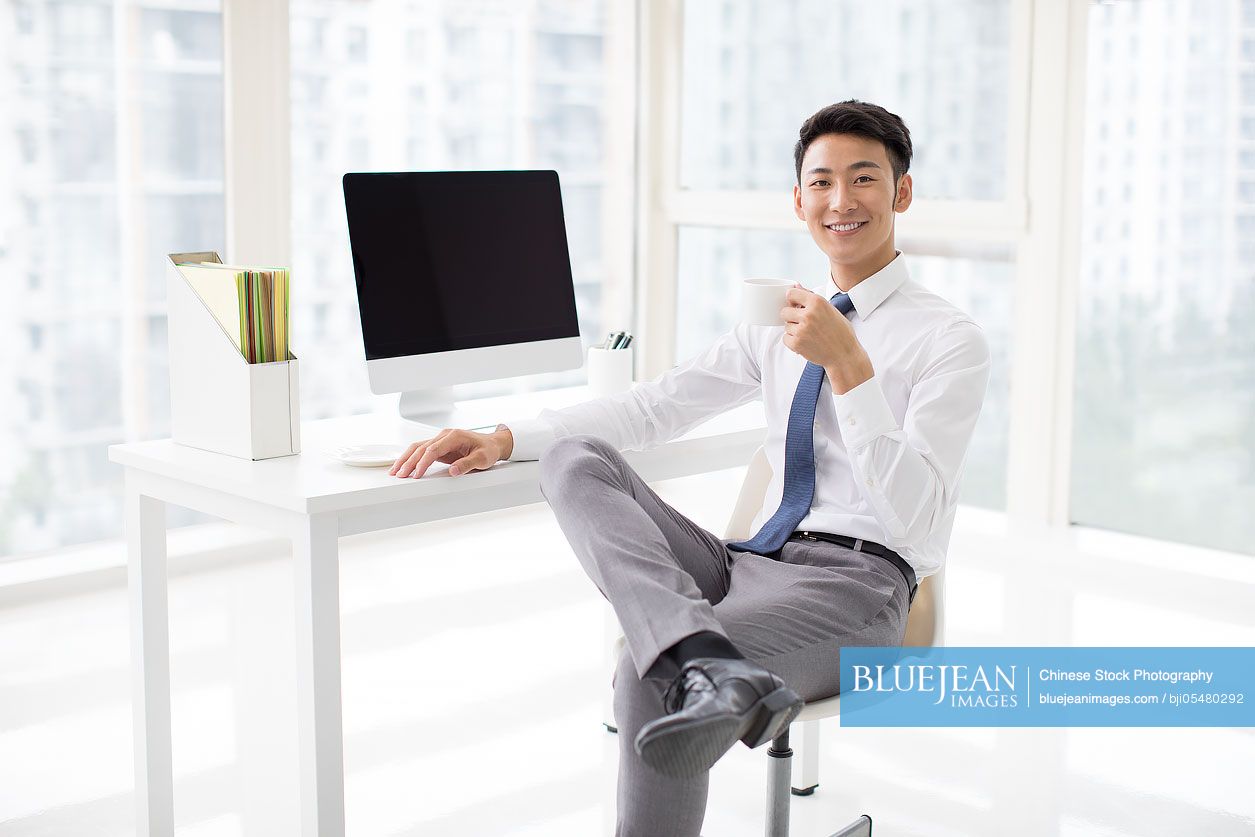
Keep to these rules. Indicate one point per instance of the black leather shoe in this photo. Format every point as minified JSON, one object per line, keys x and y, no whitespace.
{"x":711,"y":705}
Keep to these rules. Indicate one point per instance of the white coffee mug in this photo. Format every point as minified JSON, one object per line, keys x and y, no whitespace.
{"x":609,"y":370}
{"x":762,"y":301}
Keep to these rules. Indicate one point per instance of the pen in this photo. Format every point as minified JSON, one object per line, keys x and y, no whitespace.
{"x":614,"y":343}
{"x":627,"y":342}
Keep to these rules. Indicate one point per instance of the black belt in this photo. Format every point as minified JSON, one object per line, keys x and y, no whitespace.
{"x":870,"y":547}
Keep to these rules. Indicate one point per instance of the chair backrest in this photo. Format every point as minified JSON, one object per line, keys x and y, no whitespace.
{"x":925,"y":624}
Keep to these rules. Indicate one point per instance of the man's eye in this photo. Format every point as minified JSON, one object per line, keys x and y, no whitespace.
{"x":863,"y":177}
{"x":820,"y":183}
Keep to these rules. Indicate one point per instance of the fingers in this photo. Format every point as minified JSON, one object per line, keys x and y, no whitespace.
{"x":465,"y":464}
{"x":431,"y":453}
{"x":408,"y":461}
{"x":396,"y":466}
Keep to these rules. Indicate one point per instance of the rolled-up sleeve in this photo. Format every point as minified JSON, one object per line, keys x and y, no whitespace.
{"x":909,"y":472}
{"x":724,"y":376}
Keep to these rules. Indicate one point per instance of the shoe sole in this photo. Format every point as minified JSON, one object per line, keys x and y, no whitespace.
{"x":683,"y":750}
{"x":686,"y":750}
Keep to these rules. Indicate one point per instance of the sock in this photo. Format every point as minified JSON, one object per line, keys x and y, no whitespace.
{"x":702,"y":644}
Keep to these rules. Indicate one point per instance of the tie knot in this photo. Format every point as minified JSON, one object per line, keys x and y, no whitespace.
{"x":841,"y":300}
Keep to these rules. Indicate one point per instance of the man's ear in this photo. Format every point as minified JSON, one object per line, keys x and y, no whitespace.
{"x":797,"y":202}
{"x":903,"y":198}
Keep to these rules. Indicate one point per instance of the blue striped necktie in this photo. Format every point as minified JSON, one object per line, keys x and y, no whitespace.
{"x":799,"y":459}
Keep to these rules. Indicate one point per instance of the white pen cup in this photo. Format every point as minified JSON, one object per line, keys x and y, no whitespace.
{"x":762,"y":300}
{"x":609,"y":370}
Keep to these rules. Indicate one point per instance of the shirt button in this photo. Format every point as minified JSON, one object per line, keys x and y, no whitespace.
{"x":871,"y":483}
{"x":850,"y":421}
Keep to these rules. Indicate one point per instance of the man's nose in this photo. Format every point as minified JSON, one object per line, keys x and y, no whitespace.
{"x":841,"y":199}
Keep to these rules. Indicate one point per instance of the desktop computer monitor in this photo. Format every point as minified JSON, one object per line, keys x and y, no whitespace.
{"x":461,"y":276}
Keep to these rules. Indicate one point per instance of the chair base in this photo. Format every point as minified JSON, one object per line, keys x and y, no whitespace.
{"x":780,"y":772}
{"x":861,"y":827}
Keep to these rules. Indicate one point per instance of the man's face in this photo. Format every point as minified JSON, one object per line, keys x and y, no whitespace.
{"x":847,"y":198}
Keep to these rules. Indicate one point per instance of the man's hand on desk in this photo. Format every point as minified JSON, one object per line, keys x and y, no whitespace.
{"x":462,"y":450}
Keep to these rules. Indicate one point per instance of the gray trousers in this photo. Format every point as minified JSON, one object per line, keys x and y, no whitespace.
{"x":667,"y":578}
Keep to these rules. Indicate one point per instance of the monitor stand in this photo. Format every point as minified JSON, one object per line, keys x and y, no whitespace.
{"x":435,"y":407}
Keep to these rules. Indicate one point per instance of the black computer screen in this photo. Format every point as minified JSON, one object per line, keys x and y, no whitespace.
{"x":459,"y":260}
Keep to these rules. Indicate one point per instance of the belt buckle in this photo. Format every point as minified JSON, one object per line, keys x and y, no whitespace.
{"x":806,"y":536}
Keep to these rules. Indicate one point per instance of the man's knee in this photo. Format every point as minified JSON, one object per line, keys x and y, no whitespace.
{"x":568,"y":456}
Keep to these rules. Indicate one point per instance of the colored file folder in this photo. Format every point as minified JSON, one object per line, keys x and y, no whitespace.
{"x":251,"y":304}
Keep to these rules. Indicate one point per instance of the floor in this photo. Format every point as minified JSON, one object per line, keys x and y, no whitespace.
{"x":473,"y":688}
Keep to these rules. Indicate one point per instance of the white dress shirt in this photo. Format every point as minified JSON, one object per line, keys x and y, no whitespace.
{"x":888,"y":454}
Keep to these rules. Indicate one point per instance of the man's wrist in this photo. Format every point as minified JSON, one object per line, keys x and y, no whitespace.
{"x":505,"y":439}
{"x":846,"y":376}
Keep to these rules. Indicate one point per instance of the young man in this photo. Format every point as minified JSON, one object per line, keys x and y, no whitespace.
{"x":871,"y":392}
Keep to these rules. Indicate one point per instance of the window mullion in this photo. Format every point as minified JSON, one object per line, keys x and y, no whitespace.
{"x":659,"y":60}
{"x":1039,"y":444}
{"x":257,"y":188}
{"x":128,"y":171}
{"x":980,"y":221}
{"x":621,"y":203}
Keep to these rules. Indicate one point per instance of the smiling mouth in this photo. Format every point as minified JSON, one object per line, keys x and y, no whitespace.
{"x":846,"y":229}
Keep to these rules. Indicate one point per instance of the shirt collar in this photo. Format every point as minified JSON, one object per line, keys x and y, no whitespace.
{"x":875,"y":289}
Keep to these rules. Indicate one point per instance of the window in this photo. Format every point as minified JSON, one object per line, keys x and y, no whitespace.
{"x":98,"y":188}
{"x":494,"y":85}
{"x":784,"y":61}
{"x":1164,"y":440}
{"x":753,"y":71}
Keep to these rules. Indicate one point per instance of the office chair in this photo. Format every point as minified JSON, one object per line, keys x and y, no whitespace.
{"x":925,"y":626}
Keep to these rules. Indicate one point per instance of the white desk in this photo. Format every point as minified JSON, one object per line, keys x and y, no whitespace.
{"x":314,"y":500}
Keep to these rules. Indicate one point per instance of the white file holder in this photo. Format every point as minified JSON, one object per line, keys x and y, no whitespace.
{"x":218,"y":400}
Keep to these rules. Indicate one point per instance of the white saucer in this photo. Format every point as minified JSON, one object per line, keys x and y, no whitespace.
{"x":368,"y":456}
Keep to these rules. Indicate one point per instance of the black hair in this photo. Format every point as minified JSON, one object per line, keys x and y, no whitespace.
{"x":862,"y":119}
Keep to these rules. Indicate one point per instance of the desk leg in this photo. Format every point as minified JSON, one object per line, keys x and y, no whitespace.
{"x":316,"y":555}
{"x":150,"y":664}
